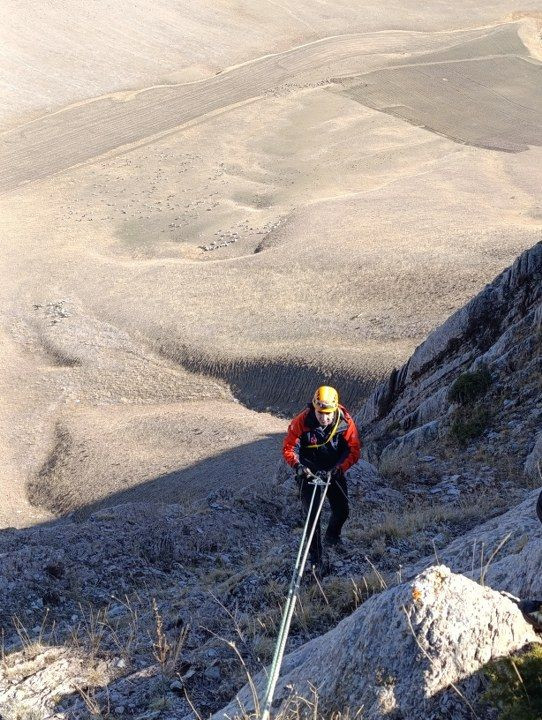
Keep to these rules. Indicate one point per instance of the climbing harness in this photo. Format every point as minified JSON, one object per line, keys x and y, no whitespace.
{"x":321,"y":480}
{"x":331,"y":434}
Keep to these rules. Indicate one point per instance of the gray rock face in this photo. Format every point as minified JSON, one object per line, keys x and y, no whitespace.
{"x":402,"y":448}
{"x":533,"y":463}
{"x":504,"y":553}
{"x":538,"y":317}
{"x":466,"y":335}
{"x":429,"y":409}
{"x":479,"y":322}
{"x":401,"y":651}
{"x":482,"y":435}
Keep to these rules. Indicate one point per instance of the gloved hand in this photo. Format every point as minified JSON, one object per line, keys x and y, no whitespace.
{"x":336,"y":473}
{"x":301,"y":472}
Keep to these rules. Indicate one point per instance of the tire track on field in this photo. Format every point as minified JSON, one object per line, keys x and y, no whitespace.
{"x":84,"y":131}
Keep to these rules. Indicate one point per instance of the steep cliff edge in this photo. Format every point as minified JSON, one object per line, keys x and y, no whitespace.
{"x":468,"y":403}
{"x":459,"y":420}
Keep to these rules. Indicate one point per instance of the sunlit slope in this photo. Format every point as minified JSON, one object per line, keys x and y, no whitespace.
{"x":54,"y":54}
{"x":488,"y":67}
{"x":438,"y":91}
{"x":302,"y":227}
{"x":282,"y":233}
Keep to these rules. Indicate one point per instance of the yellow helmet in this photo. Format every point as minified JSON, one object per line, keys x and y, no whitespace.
{"x":326,"y":399}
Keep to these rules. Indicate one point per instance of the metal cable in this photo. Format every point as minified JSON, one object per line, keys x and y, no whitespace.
{"x":293,"y":590}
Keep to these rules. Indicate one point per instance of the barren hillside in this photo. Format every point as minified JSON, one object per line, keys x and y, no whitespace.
{"x":183,"y":255}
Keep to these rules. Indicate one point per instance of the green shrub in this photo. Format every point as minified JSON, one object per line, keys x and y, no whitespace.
{"x":470,"y":385}
{"x":469,"y":424}
{"x":515,"y":685}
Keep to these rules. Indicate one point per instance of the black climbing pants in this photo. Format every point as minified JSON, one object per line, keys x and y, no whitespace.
{"x":337,"y":495}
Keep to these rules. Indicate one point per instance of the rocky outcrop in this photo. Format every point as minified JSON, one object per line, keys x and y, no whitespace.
{"x":504,"y":553}
{"x":223,"y":573}
{"x":468,"y":334}
{"x":404,"y":652}
{"x":414,"y":440}
{"x":443,"y":625}
{"x":496,"y":336}
{"x":533,"y":463}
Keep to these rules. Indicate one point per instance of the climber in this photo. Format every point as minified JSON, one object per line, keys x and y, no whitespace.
{"x":323,"y":437}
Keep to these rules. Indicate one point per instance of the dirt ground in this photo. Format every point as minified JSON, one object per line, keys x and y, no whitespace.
{"x":280,"y":197}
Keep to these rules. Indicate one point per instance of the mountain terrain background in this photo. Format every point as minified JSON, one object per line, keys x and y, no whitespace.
{"x":206,"y":212}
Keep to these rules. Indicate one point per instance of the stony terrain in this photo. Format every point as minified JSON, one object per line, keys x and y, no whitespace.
{"x":136,"y":604}
{"x":409,"y":652}
{"x":207,"y":211}
{"x":476,"y":383}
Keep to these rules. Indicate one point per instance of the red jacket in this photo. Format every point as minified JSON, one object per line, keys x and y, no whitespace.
{"x":310,"y":444}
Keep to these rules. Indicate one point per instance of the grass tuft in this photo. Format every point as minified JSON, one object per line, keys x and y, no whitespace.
{"x":515,"y":685}
{"x":469,"y":424}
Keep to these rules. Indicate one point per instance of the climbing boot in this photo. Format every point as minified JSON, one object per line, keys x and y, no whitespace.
{"x":532,"y":612}
{"x":335,"y":543}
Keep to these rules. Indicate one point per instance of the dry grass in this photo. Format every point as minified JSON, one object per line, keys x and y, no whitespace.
{"x":400,"y":469}
{"x":319,"y":607}
{"x":92,"y":651}
{"x":392,"y":526}
{"x":297,"y":707}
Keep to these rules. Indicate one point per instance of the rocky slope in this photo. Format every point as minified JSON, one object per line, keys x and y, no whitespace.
{"x":125,"y":613}
{"x":495,"y":341}
{"x":459,"y":420}
{"x":404,"y":652}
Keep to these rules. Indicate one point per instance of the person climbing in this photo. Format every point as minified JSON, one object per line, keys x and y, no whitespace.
{"x":323,"y":437}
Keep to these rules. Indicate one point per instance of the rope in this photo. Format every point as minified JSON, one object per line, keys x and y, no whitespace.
{"x":293,"y":591}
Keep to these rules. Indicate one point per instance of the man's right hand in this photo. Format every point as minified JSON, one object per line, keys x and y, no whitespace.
{"x":302,"y":472}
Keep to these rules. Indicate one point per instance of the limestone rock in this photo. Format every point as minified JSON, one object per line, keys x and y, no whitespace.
{"x":533,"y":463}
{"x":429,"y":409}
{"x":505,"y":552}
{"x":401,"y":651}
{"x":467,"y":334}
{"x":403,"y":448}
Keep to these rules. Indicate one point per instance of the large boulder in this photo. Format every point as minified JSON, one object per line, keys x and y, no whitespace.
{"x":402,"y":652}
{"x":403,"y":449}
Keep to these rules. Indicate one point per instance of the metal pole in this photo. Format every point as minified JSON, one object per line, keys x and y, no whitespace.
{"x":293,"y":590}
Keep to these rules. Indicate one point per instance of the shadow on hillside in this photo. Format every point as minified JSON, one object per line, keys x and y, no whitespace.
{"x":80,"y":559}
{"x":233,"y":471}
